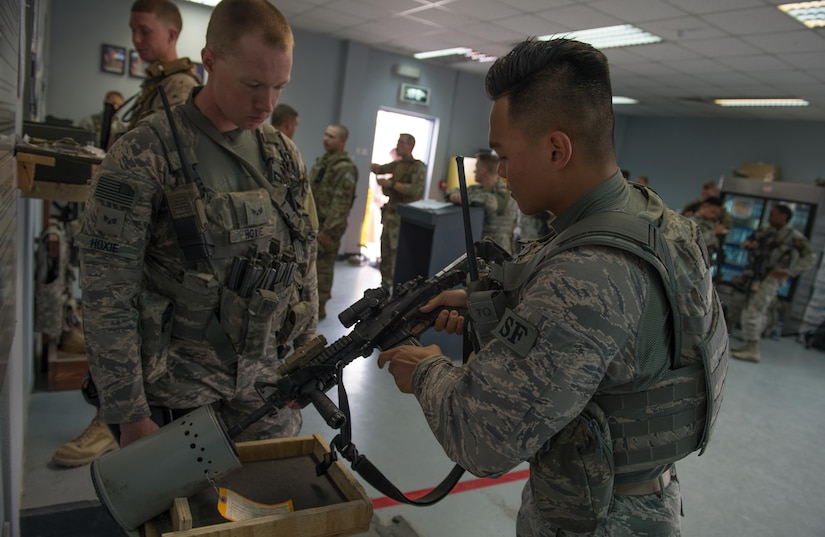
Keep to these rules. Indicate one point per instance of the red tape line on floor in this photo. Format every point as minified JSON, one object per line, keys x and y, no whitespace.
{"x":462,"y":486}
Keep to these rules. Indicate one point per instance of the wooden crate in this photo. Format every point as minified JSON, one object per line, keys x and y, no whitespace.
{"x":65,"y":370}
{"x":333,"y":505}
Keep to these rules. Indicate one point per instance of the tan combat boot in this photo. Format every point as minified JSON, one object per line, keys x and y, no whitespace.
{"x":86,"y":447}
{"x":749,"y":353}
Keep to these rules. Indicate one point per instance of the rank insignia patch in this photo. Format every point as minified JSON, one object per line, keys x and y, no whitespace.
{"x":110,"y":221}
{"x":516,"y":333}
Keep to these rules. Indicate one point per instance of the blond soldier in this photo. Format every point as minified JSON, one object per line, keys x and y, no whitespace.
{"x":177,"y":315}
{"x":406,"y":185}
{"x":156,"y":25}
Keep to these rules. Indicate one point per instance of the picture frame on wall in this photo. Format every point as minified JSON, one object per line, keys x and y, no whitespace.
{"x":113,"y":59}
{"x":137,"y":67}
{"x":198,"y":68}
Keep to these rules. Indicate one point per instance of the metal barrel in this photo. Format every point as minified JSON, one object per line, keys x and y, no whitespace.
{"x":140,"y":481}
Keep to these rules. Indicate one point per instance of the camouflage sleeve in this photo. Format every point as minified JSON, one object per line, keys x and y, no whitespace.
{"x":725,"y":218}
{"x":807,"y":256}
{"x":343,"y":177}
{"x":309,"y":288}
{"x":118,"y":220}
{"x":177,"y":87}
{"x":484,"y":198}
{"x":418,"y":178}
{"x":582,"y":309}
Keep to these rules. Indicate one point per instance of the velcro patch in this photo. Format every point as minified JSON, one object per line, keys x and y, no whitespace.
{"x":103,"y":245}
{"x":115,"y":191}
{"x":250,"y":233}
{"x":110,"y":221}
{"x":516,"y":333}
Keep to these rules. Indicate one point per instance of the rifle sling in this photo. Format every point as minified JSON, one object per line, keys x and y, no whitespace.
{"x":343,"y":443}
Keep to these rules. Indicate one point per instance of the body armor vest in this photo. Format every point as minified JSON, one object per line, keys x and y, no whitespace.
{"x":263,"y":228}
{"x":674,"y":417}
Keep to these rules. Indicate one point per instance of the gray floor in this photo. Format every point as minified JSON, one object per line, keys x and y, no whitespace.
{"x":759,"y":476}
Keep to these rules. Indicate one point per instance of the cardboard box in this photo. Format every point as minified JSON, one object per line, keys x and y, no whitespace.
{"x":332,"y":505}
{"x":759,"y":170}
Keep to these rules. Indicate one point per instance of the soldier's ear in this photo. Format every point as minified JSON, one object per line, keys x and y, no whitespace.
{"x":208,"y":59}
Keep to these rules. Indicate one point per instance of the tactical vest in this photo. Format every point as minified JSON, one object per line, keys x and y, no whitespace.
{"x":675,"y":416}
{"x":149,"y":89}
{"x":776,"y":250}
{"x":268,"y":227}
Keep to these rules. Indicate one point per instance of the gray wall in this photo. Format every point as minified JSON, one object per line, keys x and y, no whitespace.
{"x":680,"y":154}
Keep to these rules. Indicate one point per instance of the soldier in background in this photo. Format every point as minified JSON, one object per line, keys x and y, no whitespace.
{"x":172,"y":326}
{"x":93,"y":122}
{"x":285,"y":119}
{"x":709,"y":190}
{"x":707,"y":218}
{"x":406,"y":185}
{"x":333,"y":179}
{"x":777,"y":252}
{"x":156,"y":25}
{"x":491,"y":193}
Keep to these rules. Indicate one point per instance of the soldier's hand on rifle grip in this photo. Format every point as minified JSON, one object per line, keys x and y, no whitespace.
{"x":450,"y":321}
{"x":403,"y":360}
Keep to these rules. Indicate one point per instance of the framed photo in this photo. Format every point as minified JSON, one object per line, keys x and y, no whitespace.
{"x":198,"y":68}
{"x":137,"y":67}
{"x":113,"y":59}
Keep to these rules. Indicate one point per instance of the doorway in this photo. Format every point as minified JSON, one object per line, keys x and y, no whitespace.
{"x":389,"y":123}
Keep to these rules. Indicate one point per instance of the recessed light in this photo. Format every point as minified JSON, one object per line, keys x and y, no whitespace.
{"x":623,"y":35}
{"x":761,"y":102}
{"x":811,"y":14}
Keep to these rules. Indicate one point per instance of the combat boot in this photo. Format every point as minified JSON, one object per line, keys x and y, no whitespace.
{"x":86,"y":447}
{"x":749,"y":353}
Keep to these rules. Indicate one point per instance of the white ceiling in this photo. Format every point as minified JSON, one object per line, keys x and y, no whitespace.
{"x":711,"y":48}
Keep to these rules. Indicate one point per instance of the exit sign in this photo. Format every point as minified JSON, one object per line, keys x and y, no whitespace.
{"x":415,"y":94}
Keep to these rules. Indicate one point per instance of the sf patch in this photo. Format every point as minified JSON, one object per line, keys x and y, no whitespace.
{"x":516,"y":333}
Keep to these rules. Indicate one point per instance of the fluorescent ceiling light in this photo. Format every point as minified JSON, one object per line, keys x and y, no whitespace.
{"x":624,"y":100}
{"x":761,"y":102}
{"x":624,"y":35}
{"x":442,"y":52}
{"x":212,"y":3}
{"x":811,"y":14}
{"x":468,"y":53}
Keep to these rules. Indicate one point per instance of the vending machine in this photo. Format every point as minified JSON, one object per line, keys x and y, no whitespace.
{"x":749,"y":202}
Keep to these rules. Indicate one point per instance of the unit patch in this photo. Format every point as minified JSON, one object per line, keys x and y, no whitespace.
{"x":516,"y":333}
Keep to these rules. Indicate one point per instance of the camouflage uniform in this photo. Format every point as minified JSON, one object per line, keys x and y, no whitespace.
{"x":177,"y":78}
{"x":533,"y":226}
{"x":588,"y":307}
{"x":153,"y":316}
{"x":94,"y":123}
{"x":783,"y":249}
{"x":407,"y":172}
{"x":333,"y":179}
{"x":499,"y":212}
{"x":708,"y":230}
{"x":725,"y":217}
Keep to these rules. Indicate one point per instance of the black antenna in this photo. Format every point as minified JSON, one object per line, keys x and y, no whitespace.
{"x":472,"y":262}
{"x":189,"y":174}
